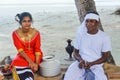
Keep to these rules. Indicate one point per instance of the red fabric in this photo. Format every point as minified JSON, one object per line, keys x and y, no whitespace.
{"x":34,"y":43}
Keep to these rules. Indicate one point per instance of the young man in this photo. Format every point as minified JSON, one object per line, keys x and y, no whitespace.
{"x":92,"y":47}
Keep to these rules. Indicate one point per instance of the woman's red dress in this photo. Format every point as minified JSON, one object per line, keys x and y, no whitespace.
{"x":30,"y":47}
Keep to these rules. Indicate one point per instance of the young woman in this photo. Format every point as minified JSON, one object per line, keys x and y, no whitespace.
{"x":27,"y":42}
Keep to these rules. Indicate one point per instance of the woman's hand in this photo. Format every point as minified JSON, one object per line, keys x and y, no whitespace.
{"x":33,"y":66}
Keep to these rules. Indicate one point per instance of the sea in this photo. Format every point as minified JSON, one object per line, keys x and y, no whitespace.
{"x":8,"y":23}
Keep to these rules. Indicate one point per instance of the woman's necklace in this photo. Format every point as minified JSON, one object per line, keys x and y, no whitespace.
{"x":26,"y":36}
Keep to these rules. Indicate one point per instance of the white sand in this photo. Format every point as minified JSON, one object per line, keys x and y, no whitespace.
{"x":58,"y":26}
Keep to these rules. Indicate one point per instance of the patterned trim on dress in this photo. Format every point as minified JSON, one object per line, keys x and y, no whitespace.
{"x":36,"y":33}
{"x":14,"y":73}
{"x":38,"y":53}
{"x":20,"y":50}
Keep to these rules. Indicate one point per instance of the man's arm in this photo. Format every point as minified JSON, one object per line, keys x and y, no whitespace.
{"x":99,"y":61}
{"x":76,"y":55}
{"x":79,"y":58}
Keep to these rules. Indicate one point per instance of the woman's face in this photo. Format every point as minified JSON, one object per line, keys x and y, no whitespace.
{"x":26,"y":22}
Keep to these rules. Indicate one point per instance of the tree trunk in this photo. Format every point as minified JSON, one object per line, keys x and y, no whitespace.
{"x":84,"y":6}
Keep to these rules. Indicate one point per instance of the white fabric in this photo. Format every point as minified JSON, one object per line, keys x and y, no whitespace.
{"x":21,"y":67}
{"x":29,"y":78}
{"x":92,"y":16}
{"x":90,"y":48}
{"x":24,"y":70}
{"x":75,"y":73}
{"x":1,"y":73}
{"x":82,"y":29}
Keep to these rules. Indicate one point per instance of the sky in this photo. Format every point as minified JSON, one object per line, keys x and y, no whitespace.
{"x":35,"y":1}
{"x":101,"y":2}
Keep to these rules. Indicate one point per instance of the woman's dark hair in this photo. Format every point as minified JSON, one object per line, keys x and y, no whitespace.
{"x":19,"y":17}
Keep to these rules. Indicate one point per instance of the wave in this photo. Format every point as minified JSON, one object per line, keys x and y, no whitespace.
{"x":4,"y":35}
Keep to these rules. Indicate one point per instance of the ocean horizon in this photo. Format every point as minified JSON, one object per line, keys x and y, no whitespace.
{"x":10,"y":10}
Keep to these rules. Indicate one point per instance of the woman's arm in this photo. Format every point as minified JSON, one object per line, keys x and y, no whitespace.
{"x":38,"y":52}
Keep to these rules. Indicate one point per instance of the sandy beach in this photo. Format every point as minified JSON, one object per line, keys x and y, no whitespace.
{"x":56,"y":26}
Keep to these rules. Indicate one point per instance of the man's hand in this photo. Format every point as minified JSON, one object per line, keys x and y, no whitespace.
{"x":82,"y":64}
{"x":88,"y":65}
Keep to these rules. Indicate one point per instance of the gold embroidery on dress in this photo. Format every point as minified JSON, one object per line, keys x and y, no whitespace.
{"x":26,"y":36}
{"x":14,"y":73}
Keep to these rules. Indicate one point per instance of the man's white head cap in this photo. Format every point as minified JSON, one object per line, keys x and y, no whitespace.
{"x":91,"y":15}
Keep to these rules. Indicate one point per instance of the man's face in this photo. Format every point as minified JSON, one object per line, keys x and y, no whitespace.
{"x":91,"y":24}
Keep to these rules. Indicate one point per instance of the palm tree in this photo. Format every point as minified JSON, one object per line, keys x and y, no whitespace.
{"x":83,"y":6}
